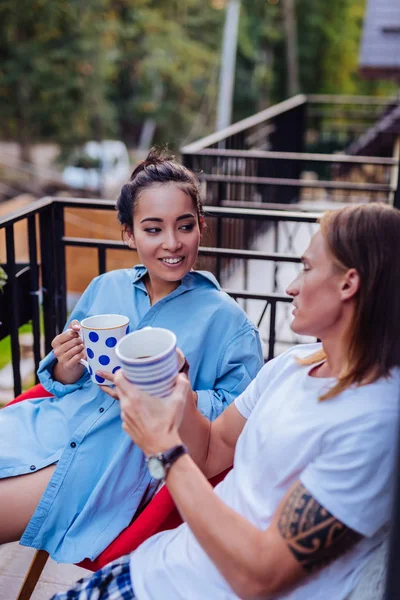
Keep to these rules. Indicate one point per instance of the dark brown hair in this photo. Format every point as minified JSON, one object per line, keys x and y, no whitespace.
{"x":367,"y":238}
{"x":157,"y":169}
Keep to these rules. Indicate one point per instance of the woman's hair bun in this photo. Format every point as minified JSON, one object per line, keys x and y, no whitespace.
{"x":156,"y":156}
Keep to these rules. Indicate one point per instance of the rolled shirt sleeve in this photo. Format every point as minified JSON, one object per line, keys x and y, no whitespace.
{"x":45,"y":371}
{"x":45,"y":374}
{"x":238,"y":364}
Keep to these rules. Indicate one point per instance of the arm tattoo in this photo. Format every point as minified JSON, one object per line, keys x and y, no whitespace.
{"x":314,"y":536}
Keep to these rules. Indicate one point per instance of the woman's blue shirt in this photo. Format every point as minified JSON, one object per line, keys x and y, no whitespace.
{"x":101,"y":477}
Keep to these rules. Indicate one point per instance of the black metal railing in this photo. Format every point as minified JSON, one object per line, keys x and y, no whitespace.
{"x":38,"y":286}
{"x":335,"y":121}
{"x":323,"y":124}
{"x":280,"y":156}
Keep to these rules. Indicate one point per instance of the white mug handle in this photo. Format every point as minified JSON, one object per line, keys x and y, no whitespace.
{"x":84,"y":363}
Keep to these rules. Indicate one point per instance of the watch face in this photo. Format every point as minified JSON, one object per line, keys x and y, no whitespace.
{"x":156,"y":468}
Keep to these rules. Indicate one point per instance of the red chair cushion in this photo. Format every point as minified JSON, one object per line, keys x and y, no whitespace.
{"x":160,"y":514}
{"x":37,"y":391}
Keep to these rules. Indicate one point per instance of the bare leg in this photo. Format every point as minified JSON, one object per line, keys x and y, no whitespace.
{"x":19,"y":497}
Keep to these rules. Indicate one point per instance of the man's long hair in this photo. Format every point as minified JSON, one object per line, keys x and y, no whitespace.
{"x":367,"y":238}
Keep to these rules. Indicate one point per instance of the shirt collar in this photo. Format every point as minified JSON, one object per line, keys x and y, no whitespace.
{"x":190,"y":280}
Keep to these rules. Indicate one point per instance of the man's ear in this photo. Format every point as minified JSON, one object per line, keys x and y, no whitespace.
{"x":202,"y":225}
{"x":350,"y":284}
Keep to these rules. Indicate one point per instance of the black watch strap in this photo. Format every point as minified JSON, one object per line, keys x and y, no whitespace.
{"x":171,"y":455}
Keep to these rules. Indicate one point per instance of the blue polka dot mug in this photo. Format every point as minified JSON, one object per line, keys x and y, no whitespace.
{"x":100,"y":335}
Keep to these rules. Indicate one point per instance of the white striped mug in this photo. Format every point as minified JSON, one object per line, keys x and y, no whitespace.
{"x":149,"y":360}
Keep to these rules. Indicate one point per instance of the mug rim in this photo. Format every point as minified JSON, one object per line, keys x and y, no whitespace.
{"x":151,"y":359}
{"x":104,"y":328}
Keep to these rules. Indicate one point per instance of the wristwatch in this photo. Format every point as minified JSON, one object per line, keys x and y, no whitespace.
{"x":159,"y":464}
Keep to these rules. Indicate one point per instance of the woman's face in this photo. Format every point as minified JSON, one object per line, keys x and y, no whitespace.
{"x":166,"y":232}
{"x":317,"y":292}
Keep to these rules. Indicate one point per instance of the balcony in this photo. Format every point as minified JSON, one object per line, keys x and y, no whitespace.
{"x":265,"y":181}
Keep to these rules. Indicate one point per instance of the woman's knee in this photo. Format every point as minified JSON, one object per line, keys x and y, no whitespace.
{"x":19,"y":497}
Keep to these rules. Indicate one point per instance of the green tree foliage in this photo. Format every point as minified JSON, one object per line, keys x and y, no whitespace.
{"x":166,"y":53}
{"x":3,"y":278}
{"x":329,"y":36}
{"x":258,"y":59}
{"x":53,"y":69}
{"x":73,"y":70}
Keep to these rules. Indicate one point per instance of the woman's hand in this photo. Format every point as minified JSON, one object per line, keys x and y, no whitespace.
{"x":69,"y":350}
{"x":110,"y":391}
{"x":152,"y":422}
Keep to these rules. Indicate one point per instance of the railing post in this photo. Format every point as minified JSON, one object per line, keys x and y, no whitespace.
{"x":35,"y":291}
{"x":219,"y":245}
{"x":13,"y":313}
{"x":101,"y":260}
{"x":60,"y":266}
{"x":298,"y":121}
{"x":396,"y":199}
{"x":396,"y":173}
{"x":48,"y":271}
{"x":187,"y":161}
{"x":288,"y":136}
{"x":276,"y":249}
{"x":272,"y":331}
{"x":246,"y":244}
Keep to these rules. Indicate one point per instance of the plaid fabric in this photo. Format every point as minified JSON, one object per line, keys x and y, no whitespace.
{"x":112,"y":582}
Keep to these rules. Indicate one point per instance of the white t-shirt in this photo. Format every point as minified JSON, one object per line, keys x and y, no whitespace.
{"x":342,"y":450}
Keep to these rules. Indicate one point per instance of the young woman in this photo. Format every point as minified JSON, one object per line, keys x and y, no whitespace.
{"x":312,"y":440}
{"x":71,"y":478}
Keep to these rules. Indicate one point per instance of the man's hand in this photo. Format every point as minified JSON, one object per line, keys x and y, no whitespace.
{"x":152,"y":422}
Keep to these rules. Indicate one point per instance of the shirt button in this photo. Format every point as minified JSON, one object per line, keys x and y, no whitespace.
{"x":73,"y":444}
{"x":101,"y":409}
{"x":32,"y":468}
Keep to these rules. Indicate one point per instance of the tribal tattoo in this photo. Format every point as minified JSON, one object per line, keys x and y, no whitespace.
{"x":314,"y":536}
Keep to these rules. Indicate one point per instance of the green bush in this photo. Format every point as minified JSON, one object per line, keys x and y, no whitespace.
{"x":3,"y":278}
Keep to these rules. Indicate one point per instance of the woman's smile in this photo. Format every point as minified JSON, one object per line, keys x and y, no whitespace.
{"x":172,"y":261}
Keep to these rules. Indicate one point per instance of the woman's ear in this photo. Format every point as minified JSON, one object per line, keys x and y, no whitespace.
{"x":130,"y":239}
{"x":350,"y":284}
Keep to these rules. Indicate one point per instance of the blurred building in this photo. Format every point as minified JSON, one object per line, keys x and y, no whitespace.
{"x":380,"y":46}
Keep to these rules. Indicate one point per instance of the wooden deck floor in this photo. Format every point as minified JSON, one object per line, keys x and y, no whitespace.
{"x":14,"y":563}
